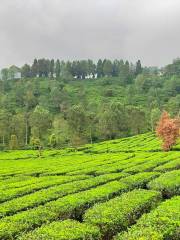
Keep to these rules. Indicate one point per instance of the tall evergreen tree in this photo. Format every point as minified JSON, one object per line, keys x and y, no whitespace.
{"x":138,"y":67}
{"x":34,"y":68}
{"x":57,"y":69}
{"x":99,"y":68}
{"x":107,"y":68}
{"x":52,"y":68}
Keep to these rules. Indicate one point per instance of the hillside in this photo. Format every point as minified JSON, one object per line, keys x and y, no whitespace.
{"x":127,"y":188}
{"x":79,"y":111}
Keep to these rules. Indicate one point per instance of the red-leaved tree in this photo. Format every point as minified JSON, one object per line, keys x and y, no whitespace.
{"x":168,"y":130}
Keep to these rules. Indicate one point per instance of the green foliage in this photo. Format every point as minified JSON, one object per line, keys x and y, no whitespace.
{"x":13,"y":144}
{"x":35,"y":142}
{"x":59,"y":187}
{"x":172,"y":165}
{"x":53,"y":141}
{"x":161,"y":223}
{"x":111,"y":183}
{"x":65,"y":230}
{"x":117,"y":214}
{"x":155,"y":116}
{"x":168,"y":183}
{"x":30,"y":186}
{"x":51,"y":89}
{"x":72,"y":205}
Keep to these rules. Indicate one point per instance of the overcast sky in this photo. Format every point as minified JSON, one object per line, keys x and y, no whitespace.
{"x":79,"y":29}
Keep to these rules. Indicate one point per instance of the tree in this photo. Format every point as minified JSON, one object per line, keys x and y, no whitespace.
{"x":34,"y":68}
{"x":4,"y":73}
{"x":173,"y":69}
{"x":13,"y":144}
{"x":40,"y":122}
{"x":168,"y":130}
{"x":136,"y":120}
{"x":35,"y":143}
{"x":112,"y":120}
{"x":4,"y":125}
{"x":173,"y":105}
{"x":107,"y":68}
{"x":91,"y":68}
{"x":99,"y":68}
{"x":124,"y":72}
{"x":18,"y":127}
{"x":138,"y":67}
{"x":143,"y":83}
{"x":61,"y":130}
{"x":43,"y":67}
{"x":53,"y":140}
{"x":13,"y":70}
{"x":115,"y":68}
{"x":52,"y":68}
{"x":77,"y":121}
{"x":155,"y":115}
{"x":83,"y":68}
{"x":30,"y":101}
{"x":26,"y":71}
{"x":57,"y":69}
{"x":172,"y":86}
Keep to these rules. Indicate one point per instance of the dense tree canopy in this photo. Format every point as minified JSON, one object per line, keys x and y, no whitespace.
{"x":58,"y":103}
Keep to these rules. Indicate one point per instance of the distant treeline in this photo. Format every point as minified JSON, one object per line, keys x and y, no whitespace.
{"x":78,"y":69}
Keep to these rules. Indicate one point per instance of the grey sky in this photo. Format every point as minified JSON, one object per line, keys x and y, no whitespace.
{"x":78,"y":29}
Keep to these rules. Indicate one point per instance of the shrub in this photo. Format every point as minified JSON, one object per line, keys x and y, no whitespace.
{"x":40,"y":183}
{"x":69,"y":206}
{"x":168,"y":183}
{"x":52,"y":193}
{"x":139,"y":179}
{"x":161,"y":223}
{"x":120,"y":212}
{"x":174,"y":164}
{"x":65,"y":230}
{"x":35,"y":142}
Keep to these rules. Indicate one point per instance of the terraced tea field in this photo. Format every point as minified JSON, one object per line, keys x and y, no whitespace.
{"x":123,"y":189}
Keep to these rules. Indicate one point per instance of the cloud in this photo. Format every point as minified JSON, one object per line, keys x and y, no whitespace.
{"x":79,"y":29}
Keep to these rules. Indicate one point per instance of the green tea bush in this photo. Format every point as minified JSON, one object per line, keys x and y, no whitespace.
{"x":65,"y":230}
{"x":64,"y":184}
{"x":168,"y":183}
{"x":119,"y":213}
{"x":52,"y":193}
{"x":73,"y":205}
{"x":45,"y":183}
{"x":172,"y":165}
{"x":147,"y":166}
{"x":161,"y":223}
{"x":139,"y":180}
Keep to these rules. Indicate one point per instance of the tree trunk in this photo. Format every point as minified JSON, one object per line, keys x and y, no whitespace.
{"x":26,"y":137}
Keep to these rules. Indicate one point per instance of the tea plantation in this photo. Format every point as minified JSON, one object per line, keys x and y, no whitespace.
{"x":125,"y":189}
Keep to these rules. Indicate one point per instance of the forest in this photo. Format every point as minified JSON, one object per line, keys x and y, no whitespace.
{"x":58,"y":104}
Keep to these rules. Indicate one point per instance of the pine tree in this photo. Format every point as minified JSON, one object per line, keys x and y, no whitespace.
{"x":138,"y":67}
{"x":57,"y":69}
{"x":34,"y":68}
{"x":99,"y":68}
{"x":52,"y":68}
